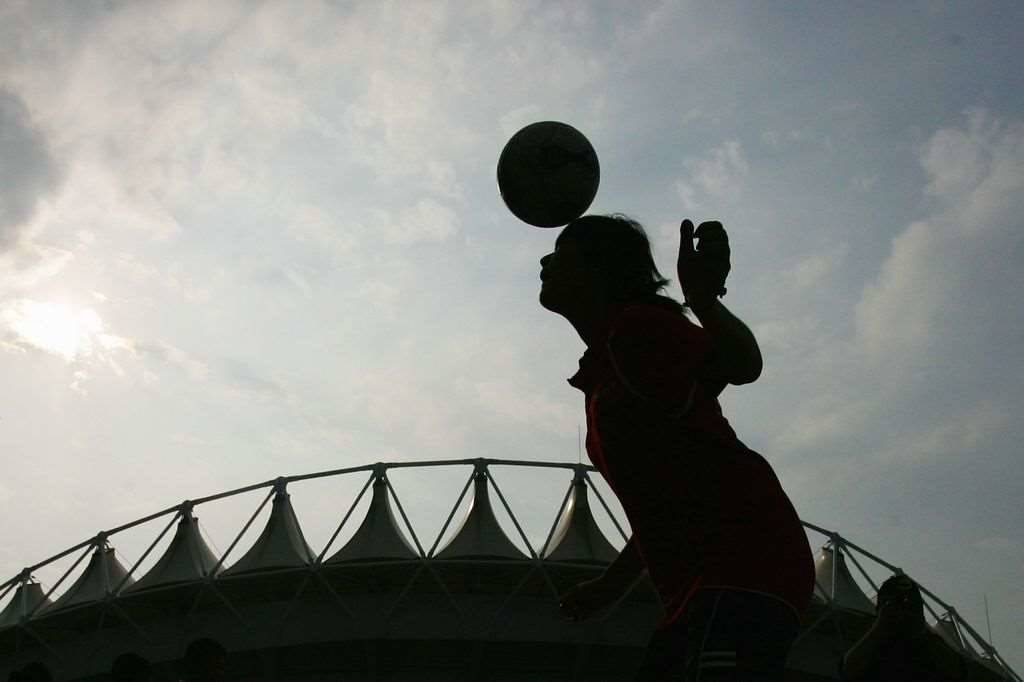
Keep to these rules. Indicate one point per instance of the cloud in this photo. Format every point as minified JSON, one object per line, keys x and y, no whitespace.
{"x":969,"y":430}
{"x":69,"y":332}
{"x":28,"y":170}
{"x":30,"y":264}
{"x":246,"y":379}
{"x":192,"y":367}
{"x":424,"y":222}
{"x":924,"y":372}
{"x":715,"y":177}
{"x":814,"y":270}
{"x":926,"y":293}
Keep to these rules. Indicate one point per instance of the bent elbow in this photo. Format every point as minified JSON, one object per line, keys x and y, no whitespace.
{"x":748,"y":374}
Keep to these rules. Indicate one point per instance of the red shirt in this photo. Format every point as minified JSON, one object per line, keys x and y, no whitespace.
{"x":705,"y":510}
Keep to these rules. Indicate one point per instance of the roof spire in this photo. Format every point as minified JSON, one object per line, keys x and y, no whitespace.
{"x":24,"y":601}
{"x":188,"y":558}
{"x":577,"y":537}
{"x":845,"y":594}
{"x":100,"y":578}
{"x":480,"y":536}
{"x":378,"y":536}
{"x":281,"y":544}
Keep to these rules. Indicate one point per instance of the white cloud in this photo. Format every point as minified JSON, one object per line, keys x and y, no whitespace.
{"x":324,"y":231}
{"x":814,"y":270}
{"x":193,"y":367}
{"x":515,"y":404}
{"x":66,"y":331}
{"x":922,"y":337}
{"x":955,"y":437}
{"x":931,"y":274}
{"x":29,"y":265}
{"x":425,"y":221}
{"x":825,"y":419}
{"x":713,"y":178}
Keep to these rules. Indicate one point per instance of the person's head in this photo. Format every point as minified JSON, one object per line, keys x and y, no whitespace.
{"x":131,"y":667}
{"x":900,"y":601}
{"x":205,"y":661}
{"x":600,"y":261}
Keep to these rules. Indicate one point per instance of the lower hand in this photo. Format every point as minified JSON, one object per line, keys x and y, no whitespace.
{"x":586,"y":599}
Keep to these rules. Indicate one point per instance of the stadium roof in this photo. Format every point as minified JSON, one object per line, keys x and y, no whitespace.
{"x":27,"y":597}
{"x":280,"y":545}
{"x":378,"y":580}
{"x":378,"y":536}
{"x":102,"y":577}
{"x":186,"y":559}
{"x":479,"y":535}
{"x":577,"y":537}
{"x":833,"y":582}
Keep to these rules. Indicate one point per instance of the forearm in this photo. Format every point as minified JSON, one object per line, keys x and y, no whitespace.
{"x":626,"y":567}
{"x":736,"y":358}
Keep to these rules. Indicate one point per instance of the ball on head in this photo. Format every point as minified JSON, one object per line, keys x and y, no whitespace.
{"x":548,"y":174}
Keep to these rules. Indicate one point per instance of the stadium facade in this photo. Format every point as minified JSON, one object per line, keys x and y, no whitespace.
{"x":385,"y":606}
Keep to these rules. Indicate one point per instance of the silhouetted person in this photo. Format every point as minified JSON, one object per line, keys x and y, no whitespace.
{"x":205,"y":660}
{"x":711,"y":524}
{"x":900,"y":646}
{"x":131,"y":667}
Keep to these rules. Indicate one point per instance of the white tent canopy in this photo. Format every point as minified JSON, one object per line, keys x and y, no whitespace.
{"x":480,"y":536}
{"x":577,"y":537}
{"x":378,"y":536}
{"x":188,"y":558}
{"x":280,"y":545}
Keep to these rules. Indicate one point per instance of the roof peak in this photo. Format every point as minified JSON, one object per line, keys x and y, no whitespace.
{"x":479,"y":536}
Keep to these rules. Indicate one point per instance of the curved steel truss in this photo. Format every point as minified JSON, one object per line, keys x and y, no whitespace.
{"x":385,"y":540}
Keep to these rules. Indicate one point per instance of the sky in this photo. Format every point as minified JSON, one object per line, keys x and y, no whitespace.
{"x":241,"y":240}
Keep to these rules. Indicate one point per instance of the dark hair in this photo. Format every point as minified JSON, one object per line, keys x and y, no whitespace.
{"x":899,"y":586}
{"x":618,"y":248}
{"x":130,"y":667}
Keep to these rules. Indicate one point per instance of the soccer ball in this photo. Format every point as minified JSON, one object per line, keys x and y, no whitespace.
{"x":548,"y":174}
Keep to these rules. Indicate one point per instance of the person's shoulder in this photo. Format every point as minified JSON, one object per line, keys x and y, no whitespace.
{"x":659,"y":310}
{"x":655,"y":317}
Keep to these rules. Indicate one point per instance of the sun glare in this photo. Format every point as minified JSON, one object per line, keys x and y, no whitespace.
{"x":68,"y":331}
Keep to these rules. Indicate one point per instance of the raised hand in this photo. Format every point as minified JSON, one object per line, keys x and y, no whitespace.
{"x":702,"y":270}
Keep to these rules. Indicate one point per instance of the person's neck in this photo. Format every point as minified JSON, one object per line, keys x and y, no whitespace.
{"x":591,"y":322}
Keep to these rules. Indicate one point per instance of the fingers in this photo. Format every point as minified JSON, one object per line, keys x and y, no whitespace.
{"x":712,"y":240}
{"x":686,"y":237}
{"x":711,"y":231}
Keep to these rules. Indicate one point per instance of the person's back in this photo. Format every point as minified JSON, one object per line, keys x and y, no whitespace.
{"x":682,"y":475}
{"x":711,"y":523}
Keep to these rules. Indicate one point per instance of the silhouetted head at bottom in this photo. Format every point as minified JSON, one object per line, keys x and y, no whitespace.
{"x":205,"y":661}
{"x":900,"y":603}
